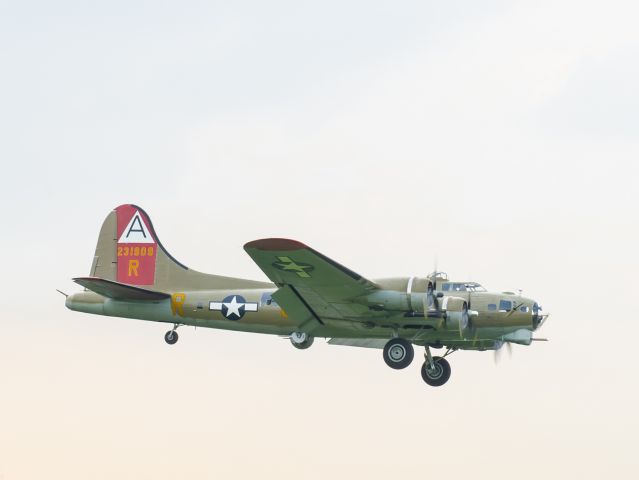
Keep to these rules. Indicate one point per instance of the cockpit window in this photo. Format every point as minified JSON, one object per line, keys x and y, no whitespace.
{"x":505,"y":306}
{"x":463,"y":287}
{"x":475,"y":287}
{"x":524,"y":309}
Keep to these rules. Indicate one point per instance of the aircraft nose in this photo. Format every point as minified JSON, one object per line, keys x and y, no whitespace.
{"x":538,"y":315}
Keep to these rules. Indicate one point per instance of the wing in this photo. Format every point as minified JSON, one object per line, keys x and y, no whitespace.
{"x":119,"y":291}
{"x":311,"y":284}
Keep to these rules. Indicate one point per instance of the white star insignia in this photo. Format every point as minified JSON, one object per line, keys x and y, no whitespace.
{"x":233,"y":307}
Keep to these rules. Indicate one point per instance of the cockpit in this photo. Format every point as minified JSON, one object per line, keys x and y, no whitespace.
{"x":462,"y":287}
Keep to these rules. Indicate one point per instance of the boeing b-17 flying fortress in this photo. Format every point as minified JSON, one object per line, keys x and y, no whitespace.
{"x":133,"y":276}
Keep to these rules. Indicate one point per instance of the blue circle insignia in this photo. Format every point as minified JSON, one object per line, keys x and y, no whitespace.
{"x":234,"y":307}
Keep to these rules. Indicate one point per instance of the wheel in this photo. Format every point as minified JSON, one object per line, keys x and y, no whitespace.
{"x":171,"y":337}
{"x":301,"y":340}
{"x":398,"y":353}
{"x":439,"y":374}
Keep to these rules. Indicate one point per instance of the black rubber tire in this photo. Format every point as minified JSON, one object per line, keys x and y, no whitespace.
{"x":305,"y":344}
{"x":398,"y":353}
{"x":440,"y":376}
{"x":171,"y":337}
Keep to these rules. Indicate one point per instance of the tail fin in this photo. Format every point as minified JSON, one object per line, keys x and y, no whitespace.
{"x":130,"y":252}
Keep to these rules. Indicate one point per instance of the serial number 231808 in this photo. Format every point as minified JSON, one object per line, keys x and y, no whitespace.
{"x":135,"y":251}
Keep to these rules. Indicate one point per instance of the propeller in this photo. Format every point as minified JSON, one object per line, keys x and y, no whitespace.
{"x":431,"y":302}
{"x":498,"y":352}
{"x":461,"y":335}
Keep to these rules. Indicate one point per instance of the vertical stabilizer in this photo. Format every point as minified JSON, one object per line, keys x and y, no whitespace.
{"x":130,"y":252}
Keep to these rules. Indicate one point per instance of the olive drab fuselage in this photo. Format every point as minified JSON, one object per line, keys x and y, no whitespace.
{"x":200,"y":308}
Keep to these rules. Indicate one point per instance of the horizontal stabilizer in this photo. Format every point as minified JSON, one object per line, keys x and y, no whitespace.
{"x":119,"y":291}
{"x":359,"y":342}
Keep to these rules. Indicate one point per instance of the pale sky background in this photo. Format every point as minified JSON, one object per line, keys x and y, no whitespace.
{"x":499,"y":137}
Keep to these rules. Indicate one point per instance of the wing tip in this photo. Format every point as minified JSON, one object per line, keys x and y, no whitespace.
{"x":80,"y":279}
{"x":275,"y":244}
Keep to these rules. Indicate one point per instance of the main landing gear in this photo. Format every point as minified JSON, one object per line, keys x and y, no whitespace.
{"x":435,"y":370}
{"x":399,"y":353}
{"x":171,"y":337}
{"x":301,"y":340}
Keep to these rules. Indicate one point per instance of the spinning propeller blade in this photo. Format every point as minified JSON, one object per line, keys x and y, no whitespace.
{"x":498,"y":353}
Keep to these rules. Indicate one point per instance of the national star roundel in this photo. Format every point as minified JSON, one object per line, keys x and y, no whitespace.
{"x":233,"y":307}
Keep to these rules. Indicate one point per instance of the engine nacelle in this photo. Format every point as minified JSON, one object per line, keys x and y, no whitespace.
{"x":521,"y":336}
{"x":456,"y":313}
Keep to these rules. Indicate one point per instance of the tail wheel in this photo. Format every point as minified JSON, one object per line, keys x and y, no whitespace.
{"x":171,"y":337}
{"x":438,"y":374}
{"x":398,"y":353}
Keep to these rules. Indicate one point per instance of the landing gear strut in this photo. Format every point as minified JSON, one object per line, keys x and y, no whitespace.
{"x":435,"y":370}
{"x":171,"y":337}
{"x":398,"y":353}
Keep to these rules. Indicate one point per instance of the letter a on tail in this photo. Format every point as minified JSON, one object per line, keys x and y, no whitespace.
{"x":136,"y":247}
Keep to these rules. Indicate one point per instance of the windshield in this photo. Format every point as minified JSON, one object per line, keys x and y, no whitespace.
{"x":475,"y":287}
{"x":463,"y":287}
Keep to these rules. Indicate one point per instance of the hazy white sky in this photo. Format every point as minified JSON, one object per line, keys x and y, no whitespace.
{"x":499,"y":137}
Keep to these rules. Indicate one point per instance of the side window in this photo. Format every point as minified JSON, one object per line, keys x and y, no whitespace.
{"x":524,"y":309}
{"x":459,"y":287}
{"x":446,"y":287}
{"x":268,"y":300}
{"x":505,"y":306}
{"x":492,"y":307}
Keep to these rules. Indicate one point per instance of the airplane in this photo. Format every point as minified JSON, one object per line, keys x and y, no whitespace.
{"x":311,"y":296}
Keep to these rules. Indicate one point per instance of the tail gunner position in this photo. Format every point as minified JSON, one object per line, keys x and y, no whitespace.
{"x":133,"y":276}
